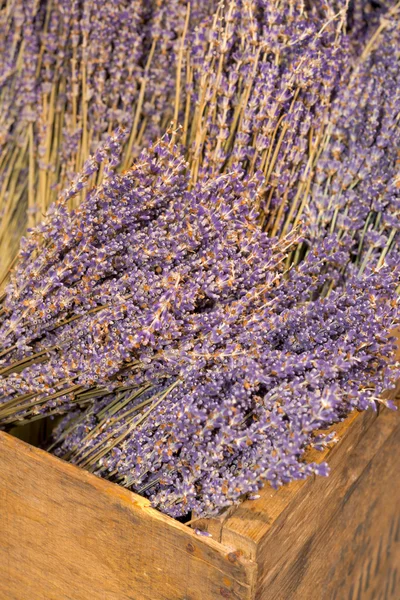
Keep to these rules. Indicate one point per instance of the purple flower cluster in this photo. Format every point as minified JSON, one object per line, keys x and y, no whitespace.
{"x":355,"y":194}
{"x":126,"y":274}
{"x":165,"y":314}
{"x":245,"y":401}
{"x":72,"y":72}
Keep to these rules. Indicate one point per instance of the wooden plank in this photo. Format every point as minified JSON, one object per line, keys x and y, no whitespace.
{"x":68,"y":535}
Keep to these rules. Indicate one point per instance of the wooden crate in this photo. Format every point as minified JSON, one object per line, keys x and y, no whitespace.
{"x":68,"y":535}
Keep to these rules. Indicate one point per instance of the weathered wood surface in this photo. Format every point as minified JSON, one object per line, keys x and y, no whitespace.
{"x":68,"y":535}
{"x":65,"y":534}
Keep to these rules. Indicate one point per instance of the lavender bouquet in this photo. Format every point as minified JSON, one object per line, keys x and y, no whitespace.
{"x":202,"y":305}
{"x":75,"y":71}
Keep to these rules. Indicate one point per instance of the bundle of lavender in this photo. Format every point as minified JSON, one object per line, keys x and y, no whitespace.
{"x":355,"y":192}
{"x":204,"y":314}
{"x":250,"y":81}
{"x":193,"y":363}
{"x":72,"y":72}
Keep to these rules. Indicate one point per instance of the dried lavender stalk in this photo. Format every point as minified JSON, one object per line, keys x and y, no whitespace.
{"x":355,"y":195}
{"x":72,"y":72}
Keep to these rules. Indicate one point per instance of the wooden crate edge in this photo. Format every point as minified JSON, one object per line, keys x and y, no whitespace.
{"x":105,"y":540}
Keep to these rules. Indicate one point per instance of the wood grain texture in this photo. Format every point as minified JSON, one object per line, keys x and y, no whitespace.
{"x":68,"y":535}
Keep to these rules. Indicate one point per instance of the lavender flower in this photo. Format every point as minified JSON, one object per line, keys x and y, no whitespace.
{"x":87,"y":68}
{"x":246,"y":401}
{"x":72,"y":72}
{"x":355,"y":196}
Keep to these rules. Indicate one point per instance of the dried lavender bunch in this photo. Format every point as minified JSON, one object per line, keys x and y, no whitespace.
{"x":196,"y":364}
{"x":242,"y":407}
{"x":142,"y":251}
{"x":202,"y":365}
{"x":71,"y":73}
{"x":249,"y":398}
{"x":262,"y":105}
{"x":355,"y":195}
{"x":74,"y":71}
